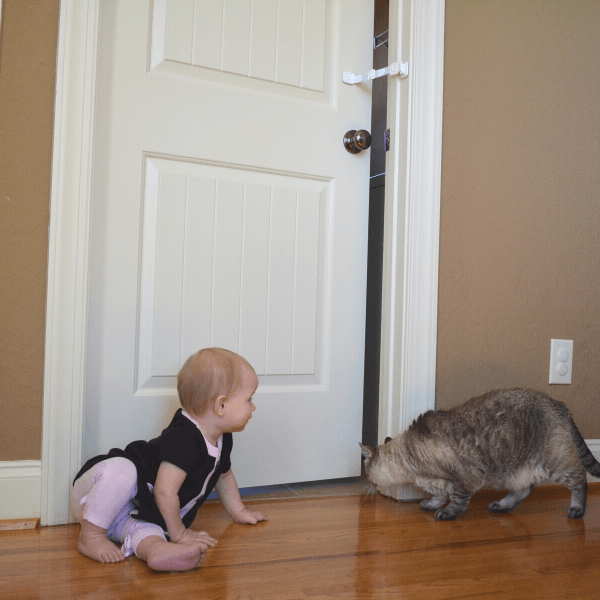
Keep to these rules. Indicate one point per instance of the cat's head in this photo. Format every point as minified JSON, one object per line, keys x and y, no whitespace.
{"x":381,"y":463}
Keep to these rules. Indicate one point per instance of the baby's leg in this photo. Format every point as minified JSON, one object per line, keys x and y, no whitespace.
{"x":98,"y":497}
{"x":149,"y":543}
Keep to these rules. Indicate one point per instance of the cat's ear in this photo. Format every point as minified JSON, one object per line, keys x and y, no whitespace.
{"x":367,"y":451}
{"x":387,"y":439}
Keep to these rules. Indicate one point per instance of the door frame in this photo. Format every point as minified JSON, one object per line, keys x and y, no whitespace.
{"x":411,"y":221}
{"x":411,"y":239}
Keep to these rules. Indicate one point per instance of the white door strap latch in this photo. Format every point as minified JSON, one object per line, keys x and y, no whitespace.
{"x":394,"y":69}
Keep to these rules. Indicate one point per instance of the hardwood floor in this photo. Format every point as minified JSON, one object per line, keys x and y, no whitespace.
{"x":338,"y":547}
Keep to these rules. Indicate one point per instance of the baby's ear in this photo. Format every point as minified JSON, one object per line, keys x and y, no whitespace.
{"x":219,"y":405}
{"x":387,"y":439}
{"x":367,"y":451}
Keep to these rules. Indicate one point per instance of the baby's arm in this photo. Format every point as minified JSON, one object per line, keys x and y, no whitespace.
{"x":166,"y":487}
{"x":229,"y":495}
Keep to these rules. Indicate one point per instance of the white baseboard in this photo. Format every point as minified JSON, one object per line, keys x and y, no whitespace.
{"x":594,"y":446}
{"x":20,"y":489}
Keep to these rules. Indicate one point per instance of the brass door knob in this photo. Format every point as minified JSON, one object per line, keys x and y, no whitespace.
{"x":355,"y":141}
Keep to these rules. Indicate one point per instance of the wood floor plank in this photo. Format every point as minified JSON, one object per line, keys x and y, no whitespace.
{"x":352,"y":547}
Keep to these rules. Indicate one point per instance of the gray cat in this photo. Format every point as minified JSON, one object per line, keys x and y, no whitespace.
{"x":506,"y":439}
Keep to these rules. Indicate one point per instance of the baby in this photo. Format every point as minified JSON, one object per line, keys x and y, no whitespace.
{"x":147,"y":495}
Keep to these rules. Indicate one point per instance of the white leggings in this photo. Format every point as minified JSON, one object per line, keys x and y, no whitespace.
{"x":103,"y":497}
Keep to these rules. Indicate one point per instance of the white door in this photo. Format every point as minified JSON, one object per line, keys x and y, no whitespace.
{"x":226,"y":212}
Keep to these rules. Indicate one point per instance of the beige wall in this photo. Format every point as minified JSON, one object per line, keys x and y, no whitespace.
{"x":27,"y":76}
{"x":520,"y":216}
{"x":519,"y":248}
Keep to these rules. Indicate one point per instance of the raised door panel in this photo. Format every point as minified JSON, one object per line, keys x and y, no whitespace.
{"x":286,"y":42}
{"x":236,"y":259}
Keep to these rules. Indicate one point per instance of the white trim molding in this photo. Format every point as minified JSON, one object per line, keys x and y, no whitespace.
{"x":68,"y":269}
{"x":412,"y":220}
{"x":594,"y":446}
{"x":20,"y":485}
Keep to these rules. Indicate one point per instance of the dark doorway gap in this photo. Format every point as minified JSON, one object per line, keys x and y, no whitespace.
{"x":375,"y":243}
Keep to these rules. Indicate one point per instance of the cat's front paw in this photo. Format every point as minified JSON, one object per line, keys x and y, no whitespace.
{"x":496,"y":507}
{"x":431,"y":504}
{"x":575,"y":512}
{"x":445,"y":514}
{"x":426,"y":505}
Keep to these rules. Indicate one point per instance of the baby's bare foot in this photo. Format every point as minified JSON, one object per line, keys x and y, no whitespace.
{"x":176,"y":558}
{"x":93,"y":543}
{"x":166,"y":556}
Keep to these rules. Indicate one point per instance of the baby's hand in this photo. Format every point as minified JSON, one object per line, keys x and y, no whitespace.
{"x":246,"y":516}
{"x":197,"y":537}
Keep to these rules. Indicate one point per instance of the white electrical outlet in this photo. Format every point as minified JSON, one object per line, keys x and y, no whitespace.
{"x":561,"y":361}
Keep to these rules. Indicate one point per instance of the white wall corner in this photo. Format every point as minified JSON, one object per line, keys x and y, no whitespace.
{"x":20,"y":489}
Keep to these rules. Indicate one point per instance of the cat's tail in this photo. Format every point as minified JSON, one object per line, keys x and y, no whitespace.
{"x":590,"y":464}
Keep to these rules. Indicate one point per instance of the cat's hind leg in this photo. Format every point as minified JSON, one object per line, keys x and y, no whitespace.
{"x":510,"y":501}
{"x":578,"y":501}
{"x":577,"y":483}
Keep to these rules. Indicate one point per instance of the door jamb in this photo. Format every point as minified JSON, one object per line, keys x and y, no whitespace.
{"x":410,"y":244}
{"x":412,"y":220}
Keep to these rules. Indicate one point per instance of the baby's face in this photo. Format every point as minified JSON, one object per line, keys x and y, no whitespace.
{"x":239,"y":406}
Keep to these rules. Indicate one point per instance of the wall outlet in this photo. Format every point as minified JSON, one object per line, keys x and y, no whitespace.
{"x":561,"y":361}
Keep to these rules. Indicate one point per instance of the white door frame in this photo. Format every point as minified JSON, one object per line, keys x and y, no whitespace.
{"x":412,"y":220}
{"x":409,"y":316}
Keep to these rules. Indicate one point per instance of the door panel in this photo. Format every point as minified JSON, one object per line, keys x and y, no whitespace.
{"x":227,"y":213}
{"x":235,"y":259}
{"x":283,"y":42}
{"x":288,"y":43}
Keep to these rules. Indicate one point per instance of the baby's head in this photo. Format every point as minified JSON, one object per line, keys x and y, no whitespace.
{"x":208,"y":374}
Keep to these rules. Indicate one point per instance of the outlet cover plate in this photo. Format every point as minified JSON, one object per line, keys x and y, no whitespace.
{"x":561,"y":361}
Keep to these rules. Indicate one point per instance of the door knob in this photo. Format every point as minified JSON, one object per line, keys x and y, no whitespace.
{"x":355,"y":141}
